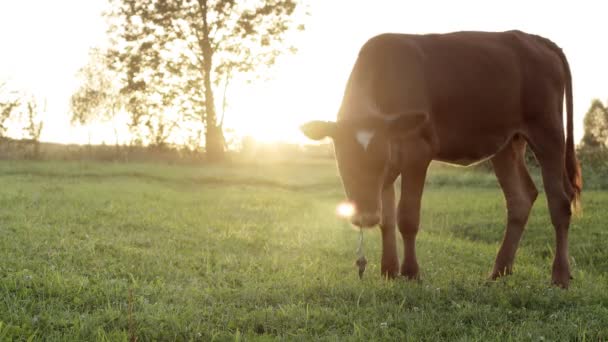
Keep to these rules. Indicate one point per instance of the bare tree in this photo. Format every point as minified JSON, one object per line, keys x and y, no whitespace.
{"x":10,"y":100}
{"x":98,"y":98}
{"x":33,"y":124}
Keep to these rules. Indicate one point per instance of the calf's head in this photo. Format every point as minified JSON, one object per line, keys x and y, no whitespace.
{"x":364,"y":150}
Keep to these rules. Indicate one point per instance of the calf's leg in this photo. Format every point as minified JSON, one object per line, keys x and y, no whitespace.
{"x":520,"y":193}
{"x":549,"y":147}
{"x":389,"y":266}
{"x":408,"y":216}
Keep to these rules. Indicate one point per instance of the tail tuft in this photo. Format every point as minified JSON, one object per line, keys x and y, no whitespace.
{"x":576,"y":179}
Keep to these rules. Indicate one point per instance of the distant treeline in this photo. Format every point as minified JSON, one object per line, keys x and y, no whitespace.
{"x":593,"y":160}
{"x":13,"y":149}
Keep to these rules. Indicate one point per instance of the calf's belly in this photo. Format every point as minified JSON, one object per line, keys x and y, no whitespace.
{"x":471,"y":148}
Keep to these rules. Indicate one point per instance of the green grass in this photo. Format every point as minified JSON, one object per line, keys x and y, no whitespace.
{"x":94,"y":251}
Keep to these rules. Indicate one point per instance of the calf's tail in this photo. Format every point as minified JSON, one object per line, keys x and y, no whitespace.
{"x":573,"y":167}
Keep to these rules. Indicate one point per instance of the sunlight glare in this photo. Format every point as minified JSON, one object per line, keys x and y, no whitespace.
{"x":345,"y":209}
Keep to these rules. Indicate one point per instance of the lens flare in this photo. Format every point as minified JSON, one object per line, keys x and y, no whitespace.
{"x":345,"y":209}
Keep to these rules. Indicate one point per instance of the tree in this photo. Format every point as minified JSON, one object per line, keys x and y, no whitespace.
{"x":10,"y":100}
{"x":19,"y":109}
{"x":33,"y":125}
{"x":596,"y":126}
{"x":98,"y":97}
{"x":182,"y":50}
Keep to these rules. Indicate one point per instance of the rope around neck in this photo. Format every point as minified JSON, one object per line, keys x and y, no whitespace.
{"x":361,"y":261}
{"x":360,"y":253}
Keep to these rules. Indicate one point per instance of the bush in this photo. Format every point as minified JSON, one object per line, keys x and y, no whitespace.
{"x":594,"y":164}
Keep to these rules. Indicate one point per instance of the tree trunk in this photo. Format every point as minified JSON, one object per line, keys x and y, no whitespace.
{"x":214,"y":139}
{"x":214,"y":142}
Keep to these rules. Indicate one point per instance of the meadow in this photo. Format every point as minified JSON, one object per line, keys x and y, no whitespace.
{"x":114,"y":251}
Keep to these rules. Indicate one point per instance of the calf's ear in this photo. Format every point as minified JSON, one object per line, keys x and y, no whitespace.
{"x":317,"y":130}
{"x":405,"y":124}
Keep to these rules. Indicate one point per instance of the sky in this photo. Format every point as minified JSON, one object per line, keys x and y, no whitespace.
{"x":44,"y":43}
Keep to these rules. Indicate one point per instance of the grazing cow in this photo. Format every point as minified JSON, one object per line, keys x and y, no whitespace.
{"x":459,"y":98}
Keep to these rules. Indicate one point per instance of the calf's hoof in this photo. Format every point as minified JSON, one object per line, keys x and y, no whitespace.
{"x":561,"y":276}
{"x":410,"y":272}
{"x":561,"y":279}
{"x":389,"y":270}
{"x":389,"y":274}
{"x":500,"y":272}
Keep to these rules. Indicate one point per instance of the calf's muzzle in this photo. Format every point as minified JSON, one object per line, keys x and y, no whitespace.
{"x":365,"y":219}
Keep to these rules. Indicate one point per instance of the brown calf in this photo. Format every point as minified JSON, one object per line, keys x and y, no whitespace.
{"x":458,"y":98}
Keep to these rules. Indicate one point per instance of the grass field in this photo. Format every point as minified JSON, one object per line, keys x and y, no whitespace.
{"x":254,"y":252}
